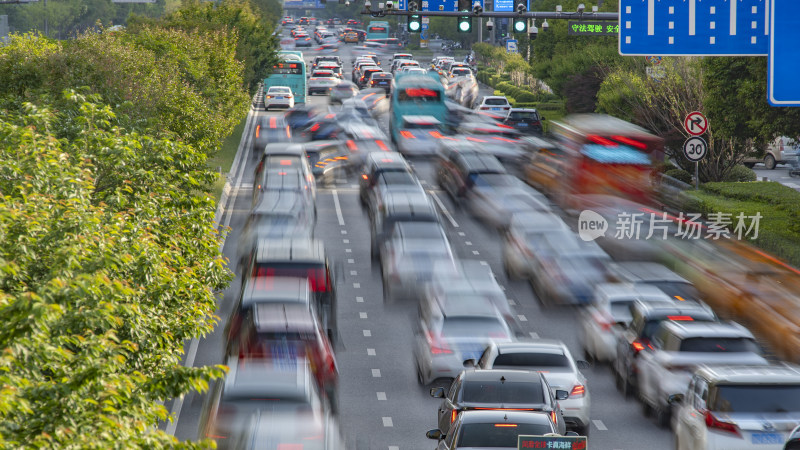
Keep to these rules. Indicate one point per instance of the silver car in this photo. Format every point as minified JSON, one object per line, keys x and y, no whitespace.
{"x":322,"y":81}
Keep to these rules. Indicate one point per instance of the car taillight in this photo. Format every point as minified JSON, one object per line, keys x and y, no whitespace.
{"x":553,"y":417}
{"x":407,"y":134}
{"x":437,"y":348}
{"x":453,"y":415}
{"x":578,"y":391}
{"x":720,"y":425}
{"x":637,"y":346}
{"x":258,"y":128}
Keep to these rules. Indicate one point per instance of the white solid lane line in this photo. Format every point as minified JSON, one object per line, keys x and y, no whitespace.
{"x":338,"y":207}
{"x":444,"y":210}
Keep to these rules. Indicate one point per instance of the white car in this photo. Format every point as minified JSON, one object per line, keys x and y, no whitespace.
{"x":279,"y":96}
{"x":603,"y":321}
{"x":419,"y":135}
{"x":554,"y":360}
{"x":322,"y":81}
{"x":494,"y":103}
{"x":681,"y":347}
{"x":738,"y":407}
{"x":528,"y":233}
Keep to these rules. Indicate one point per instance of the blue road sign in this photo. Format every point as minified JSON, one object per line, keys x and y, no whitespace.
{"x":694,"y":27}
{"x":511,"y":46}
{"x":784,"y":60}
{"x":423,"y":34}
{"x":508,"y":5}
{"x":444,"y":5}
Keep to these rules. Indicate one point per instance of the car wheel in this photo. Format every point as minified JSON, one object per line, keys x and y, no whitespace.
{"x":663,"y":416}
{"x":583,"y":430}
{"x":769,"y":162}
{"x":647,"y":410}
{"x":420,"y":378}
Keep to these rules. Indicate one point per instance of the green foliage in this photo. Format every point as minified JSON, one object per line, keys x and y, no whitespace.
{"x":680,"y":175}
{"x":740,"y":173}
{"x":108,"y":262}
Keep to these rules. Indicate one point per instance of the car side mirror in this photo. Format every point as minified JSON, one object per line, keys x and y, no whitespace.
{"x":469,"y":363}
{"x":434,"y":434}
{"x":675,"y":399}
{"x":571,"y":433}
{"x":562,"y":395}
{"x":583,"y":364}
{"x":437,"y":392}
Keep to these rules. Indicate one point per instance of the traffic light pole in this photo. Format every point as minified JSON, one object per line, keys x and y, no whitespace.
{"x":527,"y":15}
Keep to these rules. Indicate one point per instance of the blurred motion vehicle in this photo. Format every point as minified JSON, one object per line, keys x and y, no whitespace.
{"x":469,"y":279}
{"x":257,"y":386}
{"x":738,"y":407}
{"x":383,"y":81}
{"x":394,"y":207}
{"x":284,"y":156}
{"x":419,"y":135}
{"x":377,"y":29}
{"x":271,"y":182}
{"x":529,"y":234}
{"x":491,"y":430}
{"x":653,"y":274}
{"x":374,"y":99}
{"x":408,"y":256}
{"x":525,"y":120}
{"x":400,"y":64}
{"x":297,"y":118}
{"x":327,"y":159}
{"x":285,"y":333}
{"x":321,"y":82}
{"x":350,"y":37}
{"x":605,"y":156}
{"x":449,"y":334}
{"x":278,"y":96}
{"x":497,"y":139}
{"x":318,"y":60}
{"x":495,"y":198}
{"x":343,"y":91}
{"x":365,"y":74}
{"x":416,"y":95}
{"x":270,"y":129}
{"x":554,"y":361}
{"x":495,"y":103}
{"x":397,"y":56}
{"x":278,"y":215}
{"x":779,"y":151}
{"x":603,"y":321}
{"x":302,"y":258}
{"x":459,"y":171}
{"x":302,"y":40}
{"x":635,"y":338}
{"x":679,"y":347}
{"x":501,"y":390}
{"x":333,"y":67}
{"x":567,"y":273}
{"x":385,"y":172}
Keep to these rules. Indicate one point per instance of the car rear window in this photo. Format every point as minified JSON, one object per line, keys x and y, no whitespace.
{"x":315,"y":273}
{"x":462,"y":72}
{"x":530,"y":360}
{"x":502,"y":392}
{"x":495,"y":101}
{"x":621,"y":311}
{"x":488,"y":435}
{"x":397,"y":177}
{"x":523,"y":115}
{"x":719,"y":345}
{"x":756,"y":398}
{"x":473,"y":327}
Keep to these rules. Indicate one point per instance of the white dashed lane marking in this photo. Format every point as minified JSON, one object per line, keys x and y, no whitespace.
{"x":351,"y":261}
{"x":338,"y":207}
{"x":462,"y":234}
{"x":344,"y":231}
{"x":534,"y":334}
{"x":468,"y":242}
{"x":394,"y":447}
{"x":367,"y":333}
{"x":353,"y":272}
{"x":359,"y":299}
{"x":387,"y":422}
{"x":512,"y":302}
{"x":522,"y":318}
{"x":376,"y":373}
{"x":356,"y":285}
{"x":444,"y":210}
{"x":363,"y":315}
{"x":600,"y":425}
{"x":370,"y":352}
{"x":346,"y":241}
{"x":475,"y":252}
{"x":484,"y":263}
{"x":348,"y":250}
{"x":381,"y":395}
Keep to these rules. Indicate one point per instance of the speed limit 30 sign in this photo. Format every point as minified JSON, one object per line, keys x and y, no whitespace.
{"x":695,"y":149}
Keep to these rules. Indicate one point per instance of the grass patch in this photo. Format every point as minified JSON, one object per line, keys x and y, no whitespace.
{"x":223,"y":160}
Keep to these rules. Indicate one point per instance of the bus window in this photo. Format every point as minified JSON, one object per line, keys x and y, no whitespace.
{"x":287,"y":69}
{"x":419,"y":95}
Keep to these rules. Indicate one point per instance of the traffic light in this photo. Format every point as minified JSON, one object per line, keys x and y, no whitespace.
{"x":520,"y":23}
{"x":414,"y":24}
{"x":464,"y":22}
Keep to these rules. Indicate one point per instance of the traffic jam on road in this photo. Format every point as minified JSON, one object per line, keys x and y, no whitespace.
{"x":419,"y":266}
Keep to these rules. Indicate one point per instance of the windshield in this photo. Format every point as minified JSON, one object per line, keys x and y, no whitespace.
{"x":719,"y":345}
{"x":474,"y":327}
{"x":621,"y":311}
{"x":502,"y":392}
{"x":397,"y":177}
{"x":757,"y":398}
{"x":279,"y":90}
{"x":488,"y":435}
{"x":460,"y":72}
{"x":419,"y":95}
{"x":495,"y":101}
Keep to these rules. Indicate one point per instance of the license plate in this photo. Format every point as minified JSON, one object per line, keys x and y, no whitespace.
{"x":279,"y":97}
{"x":497,"y":109}
{"x":767,"y":438}
{"x":522,"y":124}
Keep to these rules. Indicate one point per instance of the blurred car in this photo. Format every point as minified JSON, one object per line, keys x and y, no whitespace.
{"x":496,"y":103}
{"x":321,"y":82}
{"x":253,"y":386}
{"x":529,"y":234}
{"x":793,"y":443}
{"x":397,"y":56}
{"x":654,"y":274}
{"x":449,"y":334}
{"x":286,"y":333}
{"x":525,"y":120}
{"x":554,"y":360}
{"x":374,"y":99}
{"x":278,"y":96}
{"x":288,"y":20}
{"x":270,"y":129}
{"x":343,"y":91}
{"x":273,"y":181}
{"x":679,"y":347}
{"x":394,"y":207}
{"x":419,"y":135}
{"x":350,"y":37}
{"x":545,"y":166}
{"x":286,"y":156}
{"x":333,"y":67}
{"x":409,"y":255}
{"x":457,"y":173}
{"x":373,"y":47}
{"x":383,"y":81}
{"x":322,"y":127}
{"x":495,"y":198}
{"x":400,"y":64}
{"x":497,"y":139}
{"x":318,"y":60}
{"x":636,"y":336}
{"x":372,"y":179}
{"x":365,"y":74}
{"x":501,"y":390}
{"x":327,"y":159}
{"x":603,"y":321}
{"x":302,"y":40}
{"x":278,"y":215}
{"x":491,"y":430}
{"x":299,"y":117}
{"x":737,"y":407}
{"x":568,"y":273}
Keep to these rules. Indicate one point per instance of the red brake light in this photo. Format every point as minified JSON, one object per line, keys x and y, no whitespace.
{"x":631,"y":142}
{"x":436,"y":347}
{"x":453,"y":415}
{"x":273,"y":121}
{"x":258,"y":129}
{"x":352,"y":146}
{"x":407,"y":134}
{"x":602,"y":141}
{"x":382,"y":146}
{"x":719,"y":425}
{"x":637,"y":346}
{"x":553,"y":417}
{"x":505,"y":425}
{"x":286,"y":162}
{"x":578,"y":391}
{"x":681,"y":318}
{"x":364,"y":176}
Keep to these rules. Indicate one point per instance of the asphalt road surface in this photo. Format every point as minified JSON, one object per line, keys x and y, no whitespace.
{"x":382,"y":405}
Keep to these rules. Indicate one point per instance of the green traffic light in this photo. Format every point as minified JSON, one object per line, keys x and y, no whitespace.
{"x":464,"y":25}
{"x":519,"y":26}
{"x":413,"y":26}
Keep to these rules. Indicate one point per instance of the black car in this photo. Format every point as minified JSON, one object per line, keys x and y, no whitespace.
{"x":300,"y":116}
{"x":270,"y":129}
{"x":382,"y":80}
{"x":525,"y":120}
{"x":504,"y":390}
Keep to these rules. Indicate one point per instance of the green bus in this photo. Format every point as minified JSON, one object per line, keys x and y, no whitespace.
{"x":289,"y":71}
{"x":416,"y":95}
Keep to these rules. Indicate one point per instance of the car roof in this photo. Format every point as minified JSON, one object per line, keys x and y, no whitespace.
{"x":387,"y":159}
{"x":283,"y":317}
{"x":280,"y":202}
{"x":510,"y":375}
{"x":283,"y":148}
{"x":483,"y":162}
{"x":275,"y":290}
{"x":539,"y":346}
{"x":625,"y":291}
{"x":259,"y":378}
{"x":401,"y":202}
{"x":295,"y":250}
{"x":773,"y":374}
{"x":691,"y":308}
{"x":645,"y":272}
{"x":688,"y":329}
